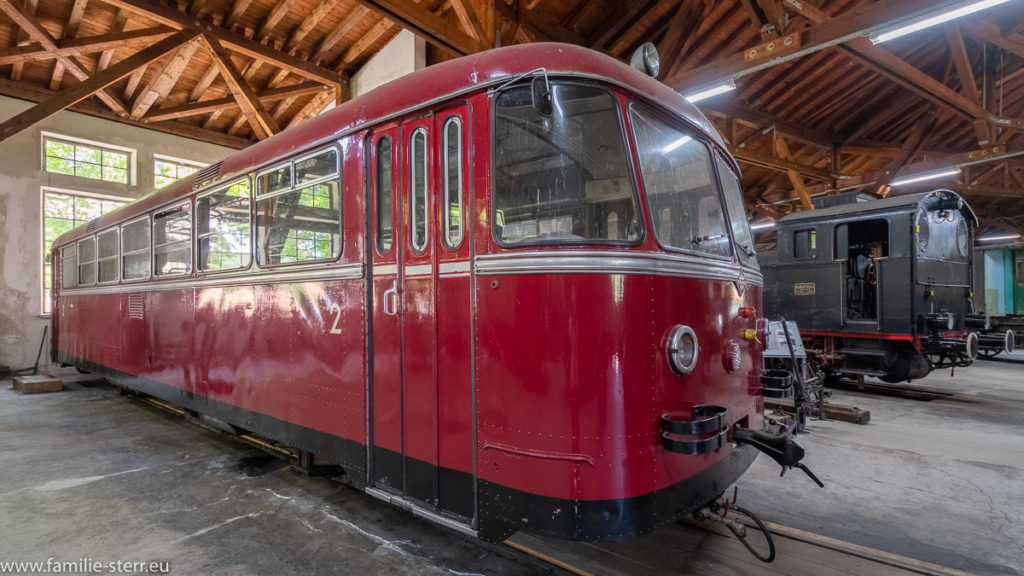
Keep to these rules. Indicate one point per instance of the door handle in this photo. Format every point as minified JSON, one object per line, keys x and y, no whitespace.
{"x":391,"y":299}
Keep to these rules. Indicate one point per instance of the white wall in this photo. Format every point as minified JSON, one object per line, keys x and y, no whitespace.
{"x":21,"y":179}
{"x":404,"y":54}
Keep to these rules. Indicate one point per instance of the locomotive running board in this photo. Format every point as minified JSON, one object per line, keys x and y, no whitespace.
{"x":418,"y":510}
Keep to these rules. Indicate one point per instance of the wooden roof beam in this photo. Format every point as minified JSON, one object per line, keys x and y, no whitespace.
{"x":35,"y":30}
{"x":309,"y":23}
{"x":467,"y":15}
{"x":227,"y":103}
{"x":23,"y":38}
{"x":763,"y":120}
{"x":427,"y":25}
{"x":160,"y":84}
{"x":247,"y":46}
{"x":117,"y":26}
{"x":779,"y":164}
{"x":70,"y":31}
{"x":83,"y":90}
{"x":263,"y":124}
{"x":35,"y":52}
{"x":338,"y":33}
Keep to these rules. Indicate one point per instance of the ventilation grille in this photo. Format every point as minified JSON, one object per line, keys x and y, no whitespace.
{"x":206,"y":175}
{"x":136,"y":306}
{"x":91,"y":226}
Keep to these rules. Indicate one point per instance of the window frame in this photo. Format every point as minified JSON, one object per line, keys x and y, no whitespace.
{"x":116,"y":257}
{"x":701,"y":138}
{"x":294,"y":187}
{"x":176,"y":161}
{"x":196,"y":237}
{"x":132,"y":153}
{"x":391,"y":192}
{"x":426,"y":192}
{"x":633,"y":170}
{"x":191,"y":239}
{"x":73,"y":246}
{"x":812,"y":243}
{"x":456,"y":120}
{"x":78,"y":256}
{"x":149,"y":248}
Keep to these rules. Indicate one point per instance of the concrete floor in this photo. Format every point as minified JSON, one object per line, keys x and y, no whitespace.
{"x":89,"y":473}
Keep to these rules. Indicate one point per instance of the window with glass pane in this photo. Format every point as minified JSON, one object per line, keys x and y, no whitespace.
{"x":737,"y":213}
{"x":167,"y":170}
{"x":558,"y":178}
{"x":61,"y":213}
{"x":107,"y":256}
{"x":69,"y":266}
{"x":222,"y":228}
{"x":135,"y":250}
{"x":418,"y":191}
{"x":301,"y":223}
{"x":172,"y":241}
{"x":87,"y":262}
{"x":452,"y":182}
{"x":275,"y":180}
{"x":385,"y":195}
{"x":805,"y":244}
{"x":681,"y":189}
{"x":86,"y":160}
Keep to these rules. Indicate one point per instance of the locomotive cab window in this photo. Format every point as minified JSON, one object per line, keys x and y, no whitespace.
{"x":172,"y":241}
{"x":87,"y":261}
{"x":681,"y":188}
{"x":805,"y":244}
{"x":558,"y":177}
{"x":223,"y":230}
{"x":298,"y":211}
{"x":69,"y":266}
{"x":135,"y":250}
{"x":107,"y":256}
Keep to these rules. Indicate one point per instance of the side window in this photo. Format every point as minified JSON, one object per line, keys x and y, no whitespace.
{"x":805,"y":244}
{"x":385,"y":196}
{"x":298,"y":211}
{"x":1020,"y":272}
{"x":107,"y":256}
{"x":135,"y":250}
{"x":87,"y":261}
{"x":69,"y":266}
{"x":418,"y":189}
{"x":172,"y":241}
{"x":223,"y":229}
{"x":452,"y":182}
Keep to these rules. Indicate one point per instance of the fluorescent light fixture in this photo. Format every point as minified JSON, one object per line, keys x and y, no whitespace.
{"x":763,"y":225}
{"x":926,"y":176}
{"x":705,"y":94}
{"x":994,"y":238}
{"x":675,"y":144}
{"x":930,"y":21}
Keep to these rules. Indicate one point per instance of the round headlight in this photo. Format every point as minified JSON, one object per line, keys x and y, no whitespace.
{"x":682,"y":349}
{"x":646,"y":59}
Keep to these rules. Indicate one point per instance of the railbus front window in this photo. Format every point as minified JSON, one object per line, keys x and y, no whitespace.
{"x":559,"y":178}
{"x":298,"y":211}
{"x":172,"y":241}
{"x":135,"y":250}
{"x":223,"y":228}
{"x":681,"y":188}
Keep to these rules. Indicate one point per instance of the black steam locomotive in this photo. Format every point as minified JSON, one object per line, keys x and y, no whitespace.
{"x":880,"y":288}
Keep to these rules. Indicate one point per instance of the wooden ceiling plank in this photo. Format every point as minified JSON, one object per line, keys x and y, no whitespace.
{"x":782,"y":149}
{"x":163,"y":81}
{"x":209,"y":106}
{"x":312,"y":108}
{"x":205,"y":81}
{"x":84,"y":89}
{"x":964,"y":71}
{"x":427,"y":25}
{"x":309,"y":23}
{"x":35,"y":30}
{"x":134,"y":79}
{"x":117,"y":26}
{"x":384,"y":27}
{"x":23,"y":38}
{"x":237,"y":9}
{"x":70,"y":31}
{"x":278,"y":12}
{"x":763,"y":120}
{"x":466,"y":13}
{"x":35,"y":52}
{"x":263,"y":125}
{"x":779,"y":164}
{"x":681,"y":27}
{"x":339,"y":32}
{"x":237,"y":42}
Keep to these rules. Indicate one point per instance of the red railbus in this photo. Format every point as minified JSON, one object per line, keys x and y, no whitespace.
{"x":513,"y":290}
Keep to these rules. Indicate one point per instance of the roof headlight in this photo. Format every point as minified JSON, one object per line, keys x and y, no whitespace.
{"x":646,"y":59}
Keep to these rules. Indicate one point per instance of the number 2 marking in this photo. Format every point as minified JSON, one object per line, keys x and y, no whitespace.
{"x":336,"y":310}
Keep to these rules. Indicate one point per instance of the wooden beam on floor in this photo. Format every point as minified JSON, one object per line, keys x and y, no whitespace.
{"x":83,"y":90}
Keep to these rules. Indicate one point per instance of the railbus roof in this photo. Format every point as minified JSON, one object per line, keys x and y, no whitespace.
{"x":421,"y":89}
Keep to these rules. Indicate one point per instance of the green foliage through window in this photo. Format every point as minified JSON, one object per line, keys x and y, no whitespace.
{"x":167,"y":171}
{"x":75,"y":159}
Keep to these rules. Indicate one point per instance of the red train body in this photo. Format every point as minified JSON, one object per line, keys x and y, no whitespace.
{"x":504,"y":363}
